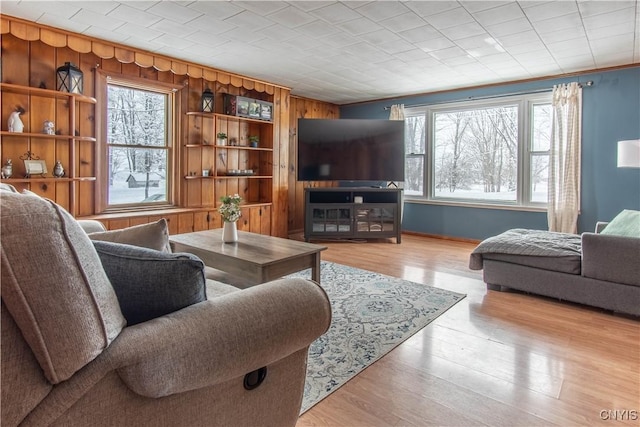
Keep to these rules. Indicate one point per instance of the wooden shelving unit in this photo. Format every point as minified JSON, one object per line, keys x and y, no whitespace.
{"x":40,"y":105}
{"x":203,"y":153}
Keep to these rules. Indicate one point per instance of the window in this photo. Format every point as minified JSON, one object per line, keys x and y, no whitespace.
{"x":139,"y":136}
{"x":486,"y":152}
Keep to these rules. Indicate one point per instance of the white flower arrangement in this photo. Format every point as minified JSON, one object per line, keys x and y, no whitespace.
{"x":230,"y":208}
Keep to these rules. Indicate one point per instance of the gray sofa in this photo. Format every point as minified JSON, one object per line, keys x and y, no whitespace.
{"x":599,"y":270}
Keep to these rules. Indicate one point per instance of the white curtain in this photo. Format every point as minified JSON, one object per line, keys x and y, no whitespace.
{"x":564,"y":159}
{"x":397,"y":113}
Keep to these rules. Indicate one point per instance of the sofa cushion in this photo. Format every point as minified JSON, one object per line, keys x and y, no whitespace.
{"x":154,"y":235}
{"x":152,"y":283}
{"x":54,"y":286}
{"x":626,"y":224}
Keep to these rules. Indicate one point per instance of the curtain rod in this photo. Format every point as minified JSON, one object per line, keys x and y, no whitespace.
{"x":477,"y":98}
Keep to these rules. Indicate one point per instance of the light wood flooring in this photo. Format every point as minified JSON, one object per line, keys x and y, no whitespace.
{"x":494,"y":359}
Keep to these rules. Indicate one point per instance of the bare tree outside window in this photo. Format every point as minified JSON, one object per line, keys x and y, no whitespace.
{"x":137,"y":137}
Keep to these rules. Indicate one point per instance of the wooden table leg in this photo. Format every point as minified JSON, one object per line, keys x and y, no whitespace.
{"x":315,"y":270}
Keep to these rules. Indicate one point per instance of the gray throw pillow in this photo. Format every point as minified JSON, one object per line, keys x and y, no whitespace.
{"x":150,"y":283}
{"x":154,"y":235}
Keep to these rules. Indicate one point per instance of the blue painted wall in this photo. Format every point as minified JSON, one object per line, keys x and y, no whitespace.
{"x":610,"y":112}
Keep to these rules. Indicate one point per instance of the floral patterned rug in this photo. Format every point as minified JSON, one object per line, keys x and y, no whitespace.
{"x":372,"y":314}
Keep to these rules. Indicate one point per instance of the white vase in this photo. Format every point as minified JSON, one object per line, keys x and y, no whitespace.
{"x":230,"y":232}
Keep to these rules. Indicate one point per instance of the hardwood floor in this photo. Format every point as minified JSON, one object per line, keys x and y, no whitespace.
{"x":495,"y":358}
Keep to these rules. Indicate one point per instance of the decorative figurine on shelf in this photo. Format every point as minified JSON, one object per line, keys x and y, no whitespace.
{"x":58,"y":170}
{"x":48,"y":128}
{"x":7,"y":169}
{"x":15,"y":123}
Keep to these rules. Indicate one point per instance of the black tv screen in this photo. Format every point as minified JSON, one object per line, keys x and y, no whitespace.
{"x":350,"y":150}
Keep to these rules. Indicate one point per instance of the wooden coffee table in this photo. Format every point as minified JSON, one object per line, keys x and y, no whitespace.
{"x":255,"y":257}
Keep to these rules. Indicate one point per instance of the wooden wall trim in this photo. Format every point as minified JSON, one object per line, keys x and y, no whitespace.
{"x":31,"y":31}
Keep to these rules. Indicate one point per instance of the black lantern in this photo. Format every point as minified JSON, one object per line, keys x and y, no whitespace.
{"x":69,"y":78}
{"x":207,"y":101}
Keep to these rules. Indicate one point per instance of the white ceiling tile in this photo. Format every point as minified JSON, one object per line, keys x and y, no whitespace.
{"x":173,"y":41}
{"x":612,"y":30}
{"x":138,"y":32}
{"x":497,"y":15}
{"x":172,"y":28}
{"x":249,"y":21}
{"x":592,"y":8}
{"x":463,"y":31}
{"x":60,"y":22}
{"x":101,"y":33}
{"x":216,"y":9}
{"x":310,"y":5}
{"x":20,"y":9}
{"x":397,"y":46}
{"x":204,"y":38}
{"x":335,"y":13}
{"x":405,"y":22}
{"x":211,"y":25}
{"x":101,"y":7}
{"x":318,"y":28}
{"x":559,"y":23}
{"x":380,"y":36}
{"x":428,"y":8}
{"x":174,"y":12}
{"x":340,"y":39}
{"x":291,"y":17}
{"x":478,"y":6}
{"x":562,"y":35}
{"x":142,"y":5}
{"x":420,"y":34}
{"x":448,"y":53}
{"x":612,"y":59}
{"x":610,"y":18}
{"x":88,"y":17}
{"x":381,"y":10}
{"x":280,"y":33}
{"x":527,"y":48}
{"x":450,"y":18}
{"x":262,"y":7}
{"x":518,"y":38}
{"x":138,"y":17}
{"x":358,"y":26}
{"x":510,"y":27}
{"x":615,"y":44}
{"x":436,"y":44}
{"x":549,"y":10}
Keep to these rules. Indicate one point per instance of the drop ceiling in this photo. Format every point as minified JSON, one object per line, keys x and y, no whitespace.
{"x":353,"y":51}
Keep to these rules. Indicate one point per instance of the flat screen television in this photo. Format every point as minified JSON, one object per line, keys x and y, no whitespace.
{"x":350,"y":150}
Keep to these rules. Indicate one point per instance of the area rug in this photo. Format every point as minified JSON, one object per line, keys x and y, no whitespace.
{"x":372,"y":314}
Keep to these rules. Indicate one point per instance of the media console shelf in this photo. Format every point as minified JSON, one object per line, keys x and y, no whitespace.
{"x":352,"y":213}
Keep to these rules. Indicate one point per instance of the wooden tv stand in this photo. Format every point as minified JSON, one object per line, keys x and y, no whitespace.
{"x":352,"y":213}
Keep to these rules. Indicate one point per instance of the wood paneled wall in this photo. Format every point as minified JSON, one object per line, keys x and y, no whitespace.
{"x":39,"y":50}
{"x":302,"y":108}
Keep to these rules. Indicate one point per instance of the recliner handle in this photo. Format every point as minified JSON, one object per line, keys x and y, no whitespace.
{"x":253,"y":379}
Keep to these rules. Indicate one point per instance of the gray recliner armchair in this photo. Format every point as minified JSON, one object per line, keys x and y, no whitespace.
{"x":69,"y":358}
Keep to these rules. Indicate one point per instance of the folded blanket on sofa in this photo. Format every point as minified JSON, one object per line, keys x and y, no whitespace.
{"x":520,"y":241}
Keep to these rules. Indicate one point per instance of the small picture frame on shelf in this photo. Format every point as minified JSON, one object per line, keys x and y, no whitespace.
{"x":35,"y":167}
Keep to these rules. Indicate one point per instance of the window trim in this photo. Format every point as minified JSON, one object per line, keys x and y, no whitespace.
{"x":524,"y":103}
{"x":103,"y":79}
